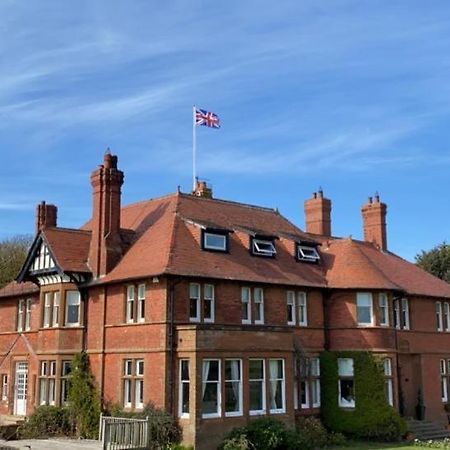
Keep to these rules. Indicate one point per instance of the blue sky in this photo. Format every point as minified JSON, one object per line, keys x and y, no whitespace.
{"x":348,"y":95}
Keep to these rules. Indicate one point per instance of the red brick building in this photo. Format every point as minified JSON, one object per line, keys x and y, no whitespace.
{"x":203,"y":306}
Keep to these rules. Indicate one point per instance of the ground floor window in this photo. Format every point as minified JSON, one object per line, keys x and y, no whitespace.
{"x":65,"y":374}
{"x":346,"y":383}
{"x":443,"y":369}
{"x":184,"y":388}
{"x":47,"y":383}
{"x":307,"y":383}
{"x":4,"y":386}
{"x":211,"y":398}
{"x":257,"y":386}
{"x":277,"y":386}
{"x":133,"y":383}
{"x":387,"y":367}
{"x":233,"y":387}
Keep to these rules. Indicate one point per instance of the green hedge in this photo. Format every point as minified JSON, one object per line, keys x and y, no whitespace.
{"x":372,"y":418}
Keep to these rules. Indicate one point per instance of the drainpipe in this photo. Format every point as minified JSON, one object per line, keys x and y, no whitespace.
{"x":171,"y":342}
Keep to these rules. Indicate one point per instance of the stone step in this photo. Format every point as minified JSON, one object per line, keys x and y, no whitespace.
{"x":426,"y":430}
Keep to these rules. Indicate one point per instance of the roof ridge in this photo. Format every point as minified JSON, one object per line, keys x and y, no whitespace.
{"x":173,"y":194}
{"x":246,"y":205}
{"x":71,"y":230}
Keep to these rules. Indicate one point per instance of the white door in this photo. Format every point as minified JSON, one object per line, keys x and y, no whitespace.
{"x":20,"y":389}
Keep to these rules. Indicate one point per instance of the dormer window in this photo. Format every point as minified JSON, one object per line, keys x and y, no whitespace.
{"x":306,"y":253}
{"x":215,"y":241}
{"x":263,"y":247}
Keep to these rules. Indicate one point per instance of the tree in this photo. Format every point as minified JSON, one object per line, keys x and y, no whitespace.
{"x":13,"y":252}
{"x":436,"y":261}
{"x":84,"y":400}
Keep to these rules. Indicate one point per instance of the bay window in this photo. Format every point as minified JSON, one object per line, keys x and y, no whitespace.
{"x":73,"y":302}
{"x":257,"y":386}
{"x":233,"y":387}
{"x":211,"y":398}
{"x":277,"y":386}
{"x":364,"y":310}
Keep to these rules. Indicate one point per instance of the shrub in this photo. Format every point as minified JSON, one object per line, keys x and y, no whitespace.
{"x":84,"y":401}
{"x":163,"y":429}
{"x":372,"y":418}
{"x":46,"y":421}
{"x":311,"y":430}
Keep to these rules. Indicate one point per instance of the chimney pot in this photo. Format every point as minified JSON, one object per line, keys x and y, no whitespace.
{"x":202,"y":189}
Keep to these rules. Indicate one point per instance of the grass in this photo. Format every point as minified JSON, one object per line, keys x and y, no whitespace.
{"x":375,"y":446}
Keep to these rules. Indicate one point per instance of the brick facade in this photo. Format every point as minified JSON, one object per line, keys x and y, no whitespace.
{"x":138,"y":291}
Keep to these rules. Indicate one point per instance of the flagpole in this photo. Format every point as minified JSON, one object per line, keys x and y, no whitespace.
{"x":194,"y":144}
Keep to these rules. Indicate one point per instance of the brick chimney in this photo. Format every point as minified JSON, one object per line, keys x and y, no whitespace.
{"x":318,"y":214}
{"x":202,"y":189}
{"x":374,"y":222}
{"x":106,"y":245}
{"x":46,"y":216}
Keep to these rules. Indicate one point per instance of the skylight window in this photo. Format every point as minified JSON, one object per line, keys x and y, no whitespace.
{"x":305,"y":253}
{"x":263,"y":247}
{"x":214,"y":241}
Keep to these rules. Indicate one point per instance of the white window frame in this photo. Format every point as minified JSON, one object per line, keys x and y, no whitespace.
{"x":439,"y":321}
{"x":306,"y":253}
{"x":141,"y":302}
{"x":210,"y":299}
{"x":21,"y":315}
{"x":48,"y":297}
{"x":56,"y":308}
{"x":28,"y":303}
{"x":346,"y":376}
{"x":383,"y":305}
{"x":359,"y":297}
{"x":387,"y":369}
{"x":128,"y":383}
{"x":130,"y":303}
{"x":405,"y":314}
{"x":258,"y":247}
{"x":218,"y":383}
{"x":258,"y":412}
{"x":446,"y":316}
{"x":182,"y":383}
{"x":4,"y":386}
{"x":68,"y":305}
{"x":248,"y":302}
{"x":207,"y":246}
{"x":397,"y":314}
{"x":290,"y":302}
{"x":444,"y":380}
{"x":258,"y":300}
{"x":302,"y":300}
{"x":240,"y":396}
{"x":197,"y":300}
{"x":314,"y":364}
{"x":139,"y":381}
{"x":305,"y":382}
{"x":281,"y":410}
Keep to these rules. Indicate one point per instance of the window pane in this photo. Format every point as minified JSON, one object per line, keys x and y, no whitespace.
{"x":345,"y":367}
{"x":256,"y":395}
{"x":73,"y":307}
{"x":347,"y":395}
{"x":185,"y":370}
{"x":215,"y":241}
{"x":209,"y":291}
{"x":364,"y":308}
{"x":210,"y":398}
{"x":185,"y":398}
{"x":194,"y":289}
{"x":256,"y":369}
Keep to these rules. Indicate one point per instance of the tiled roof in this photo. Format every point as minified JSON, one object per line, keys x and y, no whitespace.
{"x":356,"y":264}
{"x":70,"y":248}
{"x":15,"y":289}
{"x":162,"y":237}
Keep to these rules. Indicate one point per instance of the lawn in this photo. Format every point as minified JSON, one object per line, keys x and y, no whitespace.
{"x":375,"y":446}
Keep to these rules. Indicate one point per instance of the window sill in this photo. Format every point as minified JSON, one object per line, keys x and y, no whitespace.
{"x":211,"y":416}
{"x":233,"y":414}
{"x":277,"y":411}
{"x":257,"y":413}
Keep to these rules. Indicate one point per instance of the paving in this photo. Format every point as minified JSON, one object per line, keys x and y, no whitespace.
{"x":50,"y":444}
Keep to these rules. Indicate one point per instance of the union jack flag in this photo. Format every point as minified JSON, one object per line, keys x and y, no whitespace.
{"x":206,"y":118}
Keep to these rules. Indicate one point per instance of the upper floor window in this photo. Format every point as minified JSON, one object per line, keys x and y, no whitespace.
{"x":51,"y":309}
{"x":246,"y":301}
{"x":364,"y":308}
{"x":383,"y":308}
{"x":24,"y":314}
{"x":135,"y":305}
{"x":307,"y":253}
{"x":73,"y":306}
{"x":401,"y":314}
{"x":297,"y":308}
{"x":214,"y":241}
{"x":263,"y":247}
{"x":196,"y":312}
{"x":346,"y":383}
{"x":442,"y":316}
